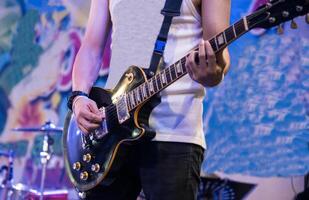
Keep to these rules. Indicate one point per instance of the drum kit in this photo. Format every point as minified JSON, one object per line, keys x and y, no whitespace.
{"x":11,"y":191}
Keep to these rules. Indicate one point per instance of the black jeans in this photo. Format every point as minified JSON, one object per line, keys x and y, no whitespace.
{"x":164,"y":170}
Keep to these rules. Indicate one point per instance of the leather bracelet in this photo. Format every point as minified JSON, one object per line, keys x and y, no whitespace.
{"x":73,"y":95}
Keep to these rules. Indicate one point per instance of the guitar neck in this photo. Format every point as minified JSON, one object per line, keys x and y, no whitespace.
{"x":170,"y":74}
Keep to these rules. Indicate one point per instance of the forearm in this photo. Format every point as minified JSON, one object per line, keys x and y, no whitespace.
{"x":88,"y":60}
{"x":214,"y":23}
{"x":86,"y":67}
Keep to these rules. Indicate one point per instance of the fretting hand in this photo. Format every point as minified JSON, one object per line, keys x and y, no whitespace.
{"x":205,"y":70}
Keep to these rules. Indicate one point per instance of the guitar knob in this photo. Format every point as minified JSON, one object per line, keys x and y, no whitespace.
{"x":280,"y":29}
{"x":87,"y":157}
{"x":84,"y":176}
{"x":307,"y":18}
{"x":293,"y":24}
{"x":299,"y":8}
{"x":272,"y":20}
{"x":77,"y":166}
{"x":95,"y":168}
{"x":285,"y":14}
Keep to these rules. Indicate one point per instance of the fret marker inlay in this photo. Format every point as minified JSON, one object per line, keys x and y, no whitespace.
{"x":220,"y":39}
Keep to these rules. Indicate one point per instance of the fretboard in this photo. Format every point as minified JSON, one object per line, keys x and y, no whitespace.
{"x":170,"y":74}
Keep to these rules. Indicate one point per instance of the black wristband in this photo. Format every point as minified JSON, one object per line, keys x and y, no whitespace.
{"x":73,"y":95}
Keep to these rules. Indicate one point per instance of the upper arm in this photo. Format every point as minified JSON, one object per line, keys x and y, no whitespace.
{"x":215,"y":17}
{"x":98,"y":25}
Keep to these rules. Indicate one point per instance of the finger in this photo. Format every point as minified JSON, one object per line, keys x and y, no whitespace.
{"x":95,"y":114}
{"x":89,"y":126}
{"x":92,"y":117}
{"x":89,"y":116}
{"x":202,"y":53}
{"x":93,"y":107}
{"x":211,"y":57}
{"x":83,"y":129}
{"x":188,"y":66}
{"x":193,"y":65}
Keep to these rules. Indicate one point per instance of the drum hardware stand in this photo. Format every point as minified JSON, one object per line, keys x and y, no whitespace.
{"x":8,"y":181}
{"x":46,"y":152}
{"x":45,"y":155}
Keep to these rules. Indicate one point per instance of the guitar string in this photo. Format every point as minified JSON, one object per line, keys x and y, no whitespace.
{"x":236,"y":25}
{"x":111,"y":108}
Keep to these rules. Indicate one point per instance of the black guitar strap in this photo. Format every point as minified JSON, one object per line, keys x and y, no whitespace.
{"x":170,"y":10}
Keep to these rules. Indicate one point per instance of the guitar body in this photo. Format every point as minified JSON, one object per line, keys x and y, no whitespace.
{"x":92,"y":160}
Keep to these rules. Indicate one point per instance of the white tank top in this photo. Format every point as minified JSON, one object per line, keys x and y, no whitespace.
{"x":136,"y":24}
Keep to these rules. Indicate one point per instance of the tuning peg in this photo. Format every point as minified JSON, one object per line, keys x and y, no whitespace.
{"x":293,"y":24}
{"x":280,"y":29}
{"x":307,"y":18}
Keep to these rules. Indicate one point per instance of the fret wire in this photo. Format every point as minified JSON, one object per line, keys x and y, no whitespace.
{"x":234,"y":31}
{"x":155,"y":86}
{"x":128,"y":101}
{"x":163,"y":77}
{"x":132,"y":99}
{"x":151,"y":89}
{"x":147,"y":88}
{"x":183,"y":66}
{"x":134,"y":96}
{"x":216,"y":44}
{"x":143,"y":91}
{"x":168,"y":74}
{"x":173,"y":72}
{"x":137,"y":96}
{"x":224,"y":37}
{"x":139,"y":93}
{"x":158,"y":81}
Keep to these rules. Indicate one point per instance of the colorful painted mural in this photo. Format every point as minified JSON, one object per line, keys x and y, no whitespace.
{"x":256,"y":122}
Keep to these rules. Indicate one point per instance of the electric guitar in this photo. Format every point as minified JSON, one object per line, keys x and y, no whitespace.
{"x":95,"y":159}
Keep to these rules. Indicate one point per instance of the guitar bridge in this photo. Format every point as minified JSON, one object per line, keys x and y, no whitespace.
{"x":122,"y":109}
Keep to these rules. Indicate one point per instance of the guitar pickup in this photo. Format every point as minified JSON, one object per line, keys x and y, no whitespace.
{"x":122,"y":109}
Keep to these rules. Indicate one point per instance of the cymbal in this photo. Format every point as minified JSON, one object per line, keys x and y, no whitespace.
{"x":47,"y":127}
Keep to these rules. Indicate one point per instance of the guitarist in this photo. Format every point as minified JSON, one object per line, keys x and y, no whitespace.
{"x":169,"y":166}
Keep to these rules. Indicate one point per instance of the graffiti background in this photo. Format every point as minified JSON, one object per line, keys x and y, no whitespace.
{"x":256,"y":121}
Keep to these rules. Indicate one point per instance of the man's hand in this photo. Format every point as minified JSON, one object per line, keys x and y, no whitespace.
{"x":87,"y":114}
{"x":206,"y":71}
